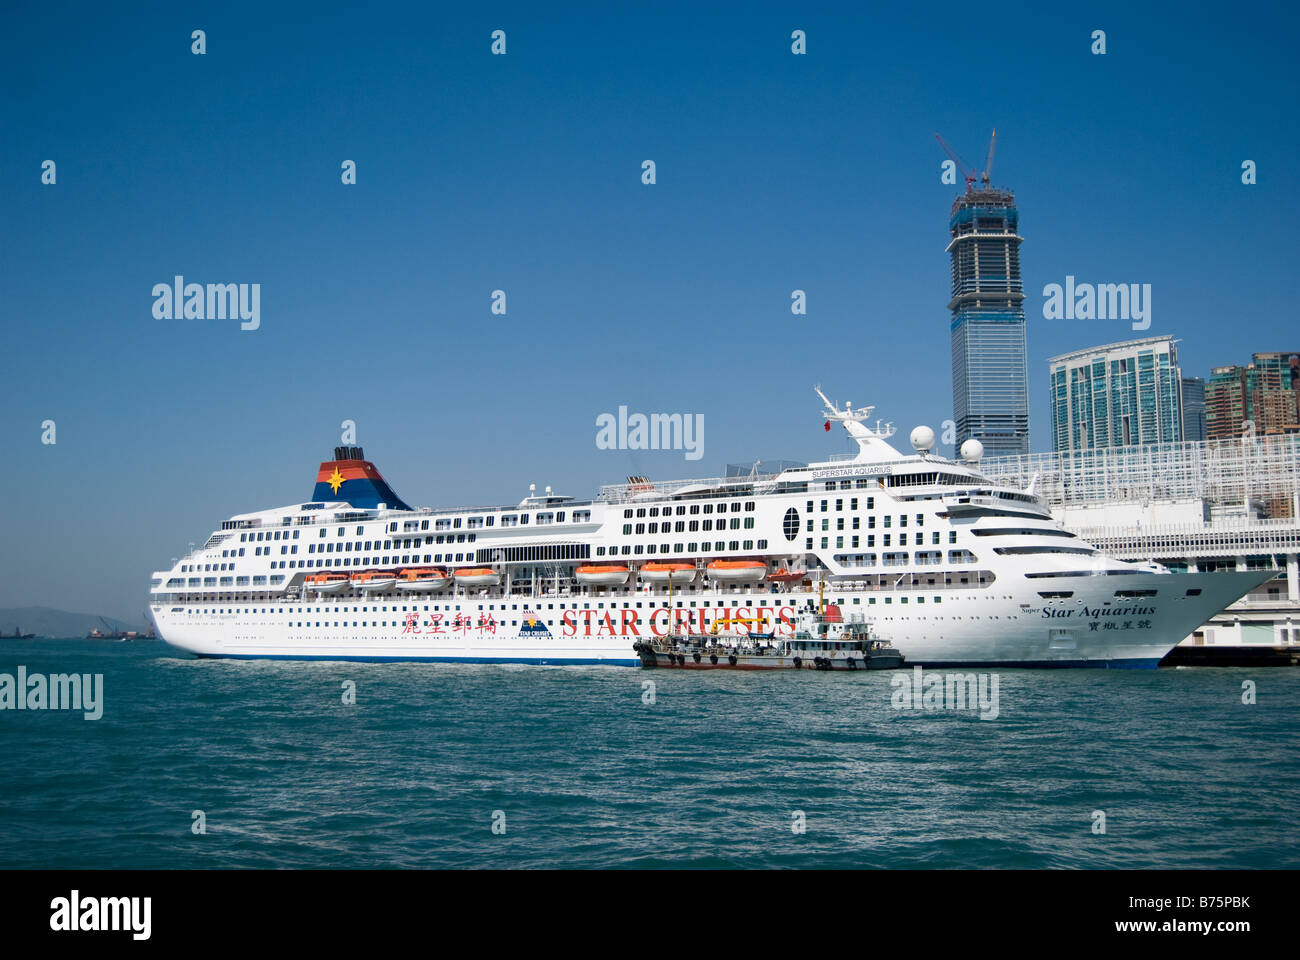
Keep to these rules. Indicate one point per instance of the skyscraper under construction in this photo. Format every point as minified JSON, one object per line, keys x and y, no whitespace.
{"x":989,"y":388}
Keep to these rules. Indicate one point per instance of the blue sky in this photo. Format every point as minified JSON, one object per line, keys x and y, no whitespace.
{"x":522,"y":172}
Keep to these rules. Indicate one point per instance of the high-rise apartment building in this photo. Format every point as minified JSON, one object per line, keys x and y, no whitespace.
{"x":1265,"y":393}
{"x":1117,"y":395}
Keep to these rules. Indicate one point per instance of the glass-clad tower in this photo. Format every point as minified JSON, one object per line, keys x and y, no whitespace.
{"x":1118,"y":395}
{"x":989,"y":368}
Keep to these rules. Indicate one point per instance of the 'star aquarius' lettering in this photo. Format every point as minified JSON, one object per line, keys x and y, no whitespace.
{"x":59,"y":691}
{"x":214,"y":301}
{"x":1086,"y":613}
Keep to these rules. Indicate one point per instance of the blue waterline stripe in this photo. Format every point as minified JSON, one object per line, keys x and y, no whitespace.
{"x":1134,"y":664}
{"x":1149,"y":663}
{"x":531,"y":661}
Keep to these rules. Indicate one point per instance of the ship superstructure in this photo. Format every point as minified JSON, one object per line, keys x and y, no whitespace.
{"x":949,"y":566}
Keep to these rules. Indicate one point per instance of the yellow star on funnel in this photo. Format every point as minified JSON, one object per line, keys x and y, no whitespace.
{"x":336,"y":480}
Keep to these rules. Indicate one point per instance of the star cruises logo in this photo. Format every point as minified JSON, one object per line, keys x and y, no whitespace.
{"x":336,"y":480}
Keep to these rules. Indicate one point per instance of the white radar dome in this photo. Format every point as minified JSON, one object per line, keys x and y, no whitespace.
{"x":972,"y":450}
{"x":922,"y":439}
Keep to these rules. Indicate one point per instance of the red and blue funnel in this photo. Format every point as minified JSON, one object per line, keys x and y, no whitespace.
{"x":351,"y":478}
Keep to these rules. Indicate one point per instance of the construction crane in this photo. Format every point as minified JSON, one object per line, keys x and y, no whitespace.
{"x":988,"y":162}
{"x":969,"y":173}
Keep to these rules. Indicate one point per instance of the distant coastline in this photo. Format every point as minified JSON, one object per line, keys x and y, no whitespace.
{"x":52,"y":623}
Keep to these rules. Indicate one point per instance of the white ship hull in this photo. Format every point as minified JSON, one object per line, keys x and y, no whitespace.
{"x":987,"y":627}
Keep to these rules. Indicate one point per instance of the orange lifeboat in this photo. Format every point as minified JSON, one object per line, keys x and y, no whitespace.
{"x":660,"y":572}
{"x":375,"y":581}
{"x":734,"y":571}
{"x":326,"y":582}
{"x":477,"y":577}
{"x":603,"y":575}
{"x":422,"y":580}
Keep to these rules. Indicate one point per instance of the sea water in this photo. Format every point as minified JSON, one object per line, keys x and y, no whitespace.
{"x":212,"y":763}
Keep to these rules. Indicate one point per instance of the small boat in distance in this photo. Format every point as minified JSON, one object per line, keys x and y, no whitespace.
{"x":112,"y":631}
{"x":17,"y":635}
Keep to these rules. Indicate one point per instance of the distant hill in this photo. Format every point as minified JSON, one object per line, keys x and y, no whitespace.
{"x":47,"y":622}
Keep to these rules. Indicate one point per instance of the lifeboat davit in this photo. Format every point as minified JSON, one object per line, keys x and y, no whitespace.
{"x":373,"y":580}
{"x":477,"y":577}
{"x":603,"y":575}
{"x":734,"y":571}
{"x":656,"y":572}
{"x":326,"y":582}
{"x":422,"y":580}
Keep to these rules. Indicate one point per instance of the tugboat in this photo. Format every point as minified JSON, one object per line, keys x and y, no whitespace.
{"x":820,"y":642}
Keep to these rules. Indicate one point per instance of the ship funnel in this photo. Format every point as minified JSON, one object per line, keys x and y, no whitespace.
{"x":351,"y":478}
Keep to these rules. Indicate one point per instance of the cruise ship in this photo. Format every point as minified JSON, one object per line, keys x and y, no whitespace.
{"x":951,"y":567}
